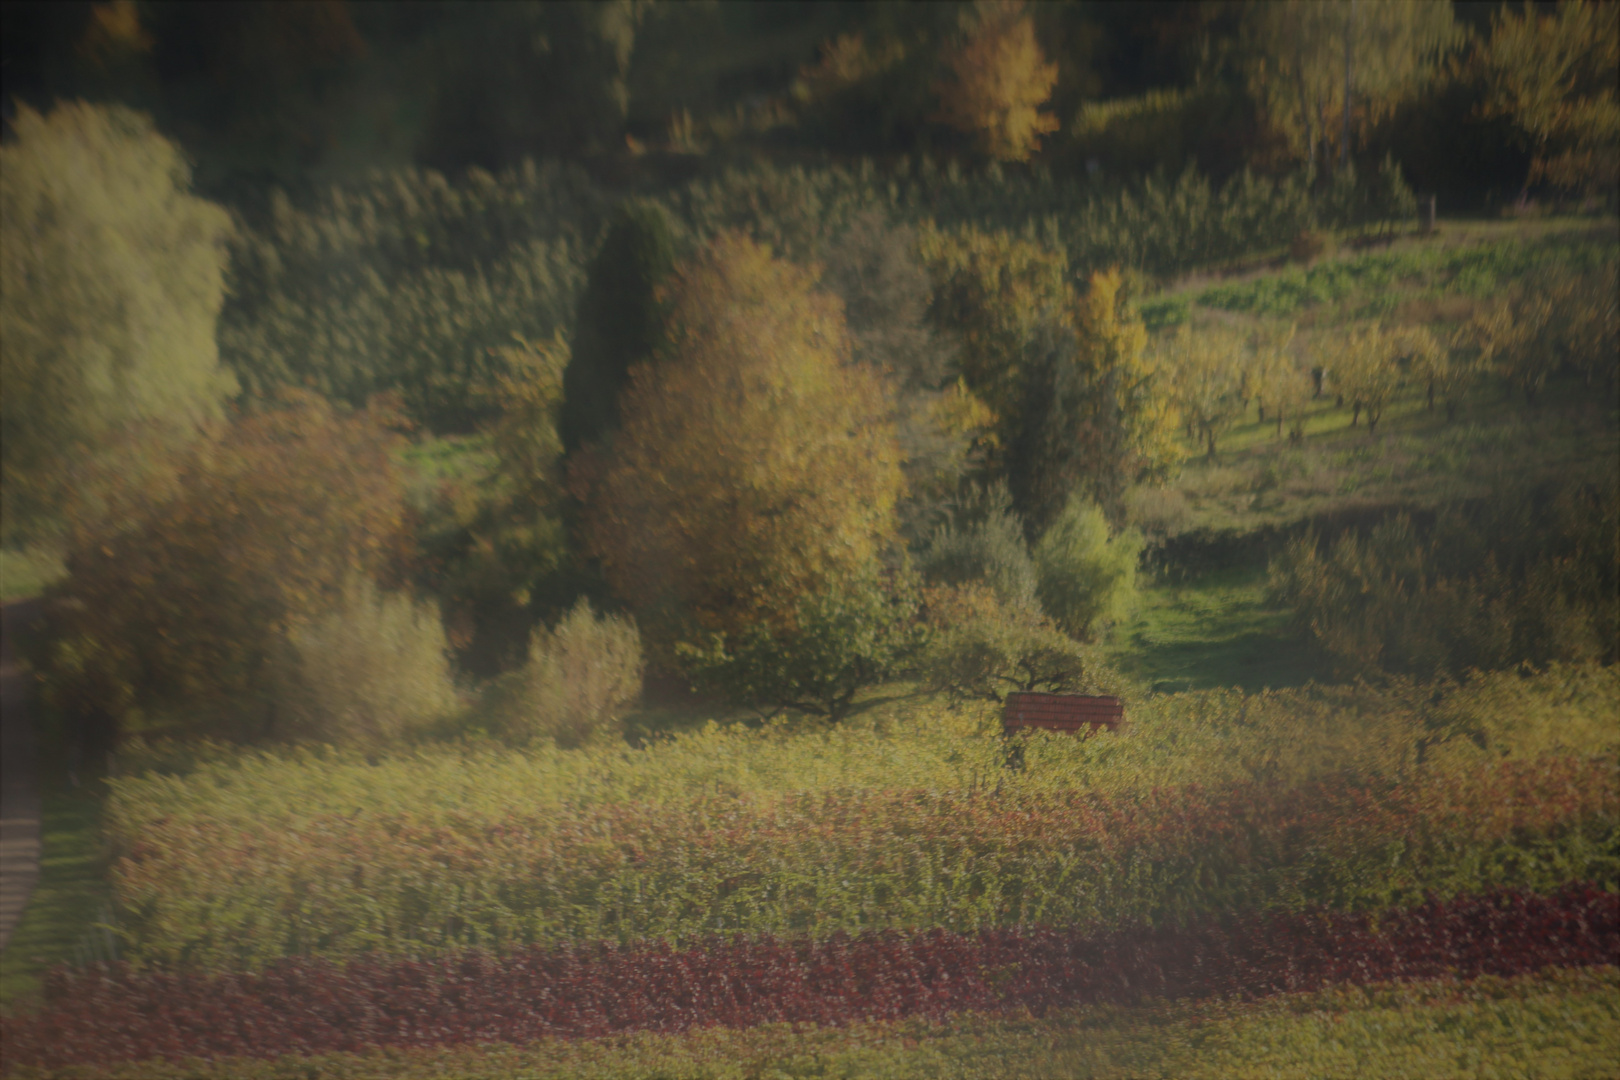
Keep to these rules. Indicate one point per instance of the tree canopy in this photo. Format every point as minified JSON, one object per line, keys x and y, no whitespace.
{"x":754,"y":464}
{"x":111,"y":282}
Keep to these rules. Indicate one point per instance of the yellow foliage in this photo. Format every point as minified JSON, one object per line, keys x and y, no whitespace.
{"x":1366,"y":370}
{"x":1113,"y":346}
{"x":111,"y":279}
{"x":846,"y":61}
{"x":994,"y":292}
{"x":1000,"y":81}
{"x":755,"y":464}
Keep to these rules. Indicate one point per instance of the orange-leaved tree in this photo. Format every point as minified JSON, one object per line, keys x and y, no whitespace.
{"x":754,"y":464}
{"x":1000,"y":80}
{"x":187,"y":602}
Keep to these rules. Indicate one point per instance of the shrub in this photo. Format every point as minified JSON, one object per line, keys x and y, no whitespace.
{"x":189,"y":597}
{"x":580,"y":677}
{"x":1087,"y":576}
{"x":1529,"y":576}
{"x":990,"y":551}
{"x":369,"y":671}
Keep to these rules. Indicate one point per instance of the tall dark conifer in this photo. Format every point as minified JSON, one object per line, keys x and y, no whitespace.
{"x":619,"y":323}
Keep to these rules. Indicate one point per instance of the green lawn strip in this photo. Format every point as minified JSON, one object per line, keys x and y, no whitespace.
{"x":68,"y":898}
{"x":1415,"y":458}
{"x":1371,"y":284}
{"x":1556,"y":1024}
{"x":1216,"y":630}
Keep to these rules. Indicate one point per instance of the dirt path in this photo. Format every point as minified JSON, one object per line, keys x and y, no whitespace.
{"x":19,"y":782}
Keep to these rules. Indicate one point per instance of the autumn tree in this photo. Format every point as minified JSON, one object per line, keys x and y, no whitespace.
{"x":1319,"y":66}
{"x":875,"y":269}
{"x":1097,"y":413}
{"x":1367,"y":371}
{"x":999,"y":81}
{"x":1208,"y":367}
{"x":999,"y":299}
{"x":189,"y":599}
{"x":1278,"y":384}
{"x":1064,"y":372}
{"x":111,"y":281}
{"x":754,"y":466}
{"x":619,"y":321}
{"x":1554,"y":77}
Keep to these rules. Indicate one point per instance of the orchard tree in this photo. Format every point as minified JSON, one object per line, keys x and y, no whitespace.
{"x":1368,"y":372}
{"x":755,"y":465}
{"x":999,"y":81}
{"x":1278,"y":384}
{"x":111,"y":281}
{"x":1208,"y":367}
{"x":619,"y":321}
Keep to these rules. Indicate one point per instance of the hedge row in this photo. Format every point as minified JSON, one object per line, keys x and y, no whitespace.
{"x":309,"y":1006}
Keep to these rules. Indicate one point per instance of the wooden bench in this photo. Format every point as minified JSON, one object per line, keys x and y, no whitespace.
{"x":1062,"y":712}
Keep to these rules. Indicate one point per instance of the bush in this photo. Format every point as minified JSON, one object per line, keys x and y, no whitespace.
{"x":580,"y":677}
{"x":983,"y":543}
{"x":1087,"y":578}
{"x":187,"y":599}
{"x":368,"y":672}
{"x":1529,"y":577}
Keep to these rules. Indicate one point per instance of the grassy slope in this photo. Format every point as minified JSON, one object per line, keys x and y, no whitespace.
{"x":1216,"y":628}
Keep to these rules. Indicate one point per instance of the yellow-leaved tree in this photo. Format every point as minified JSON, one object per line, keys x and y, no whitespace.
{"x":999,"y":81}
{"x":754,"y":466}
{"x":112,"y":275}
{"x":1553,"y":77}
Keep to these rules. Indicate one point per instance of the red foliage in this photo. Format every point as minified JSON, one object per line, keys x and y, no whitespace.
{"x":313,"y":1006}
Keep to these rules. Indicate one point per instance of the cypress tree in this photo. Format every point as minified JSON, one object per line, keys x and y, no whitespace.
{"x":619,"y":322}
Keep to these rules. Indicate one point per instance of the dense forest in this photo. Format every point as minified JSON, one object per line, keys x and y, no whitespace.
{"x":630,"y":451}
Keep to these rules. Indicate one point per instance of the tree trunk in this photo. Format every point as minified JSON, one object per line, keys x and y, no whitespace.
{"x":1372,"y":420}
{"x":1355,"y":414}
{"x":1210,"y":435}
{"x":1279,"y":423}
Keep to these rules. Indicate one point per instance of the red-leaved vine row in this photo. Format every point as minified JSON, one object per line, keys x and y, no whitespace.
{"x":314,"y":1006}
